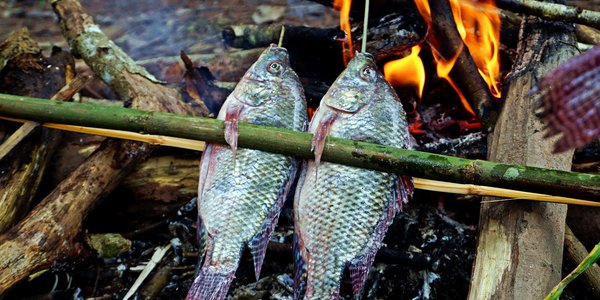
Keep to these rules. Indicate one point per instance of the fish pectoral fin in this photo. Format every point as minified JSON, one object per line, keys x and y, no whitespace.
{"x":404,"y":191}
{"x":318,"y":140}
{"x":232,"y":117}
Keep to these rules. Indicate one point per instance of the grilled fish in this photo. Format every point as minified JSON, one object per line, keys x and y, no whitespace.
{"x":342,"y":212}
{"x":241,"y":191}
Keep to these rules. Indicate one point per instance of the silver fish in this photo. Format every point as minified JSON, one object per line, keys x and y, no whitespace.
{"x":241,"y":191}
{"x":342,"y":212}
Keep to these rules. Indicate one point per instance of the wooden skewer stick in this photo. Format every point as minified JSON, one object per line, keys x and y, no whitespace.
{"x":420,"y":183}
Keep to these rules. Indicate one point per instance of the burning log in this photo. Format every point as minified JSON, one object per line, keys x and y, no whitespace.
{"x":522,"y":242}
{"x":293,"y":143}
{"x":450,"y":44}
{"x":42,"y":237}
{"x":553,"y":11}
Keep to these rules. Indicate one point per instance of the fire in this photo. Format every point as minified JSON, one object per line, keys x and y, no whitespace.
{"x":478,"y":24}
{"x":408,"y":70}
{"x":343,"y":6}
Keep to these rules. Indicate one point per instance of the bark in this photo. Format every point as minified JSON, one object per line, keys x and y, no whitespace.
{"x":519,"y":253}
{"x":47,"y":233}
{"x":293,"y":143}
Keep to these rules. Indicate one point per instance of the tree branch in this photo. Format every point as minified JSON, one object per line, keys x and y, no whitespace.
{"x":553,"y":11}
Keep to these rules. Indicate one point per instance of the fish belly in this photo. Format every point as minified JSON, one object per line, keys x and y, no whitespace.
{"x":338,"y":214}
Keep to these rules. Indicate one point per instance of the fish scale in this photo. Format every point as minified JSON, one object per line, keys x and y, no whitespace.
{"x":343,"y":212}
{"x":241,"y":191}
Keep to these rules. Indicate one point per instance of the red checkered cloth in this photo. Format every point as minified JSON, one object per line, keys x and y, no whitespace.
{"x":569,"y":101}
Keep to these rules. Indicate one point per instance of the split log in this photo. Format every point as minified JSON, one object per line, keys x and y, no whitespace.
{"x":519,"y":253}
{"x":47,"y":233}
{"x":25,"y":154}
{"x":293,"y":143}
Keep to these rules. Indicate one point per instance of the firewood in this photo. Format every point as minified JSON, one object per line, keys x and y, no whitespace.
{"x":471,"y":83}
{"x":25,"y":154}
{"x":553,"y":11}
{"x":519,"y":253}
{"x":46,"y":234}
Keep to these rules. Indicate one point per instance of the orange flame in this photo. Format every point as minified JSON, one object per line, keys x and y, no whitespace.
{"x":443,"y":71}
{"x":408,"y":70}
{"x":478,"y":24}
{"x":343,"y":6}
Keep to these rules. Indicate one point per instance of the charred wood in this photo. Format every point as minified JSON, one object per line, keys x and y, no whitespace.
{"x":449,"y":43}
{"x":199,"y":88}
{"x":472,"y":145}
{"x":391,"y":35}
{"x":314,"y":52}
{"x":254,"y":36}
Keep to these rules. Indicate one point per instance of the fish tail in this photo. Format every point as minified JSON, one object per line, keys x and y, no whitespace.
{"x":323,"y":277}
{"x":212,"y":282}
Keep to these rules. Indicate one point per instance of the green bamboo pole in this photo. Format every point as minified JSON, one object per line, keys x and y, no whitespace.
{"x":347,"y":152}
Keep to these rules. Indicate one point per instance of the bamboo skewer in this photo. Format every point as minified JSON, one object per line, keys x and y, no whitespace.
{"x":420,"y":183}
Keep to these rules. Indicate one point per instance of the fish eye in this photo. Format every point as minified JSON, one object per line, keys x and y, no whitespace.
{"x":275,"y":68}
{"x":367,"y":73}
